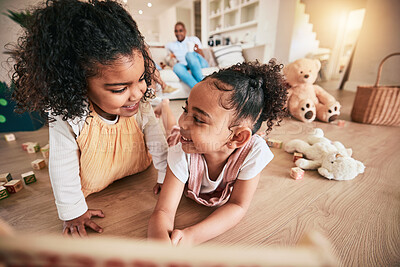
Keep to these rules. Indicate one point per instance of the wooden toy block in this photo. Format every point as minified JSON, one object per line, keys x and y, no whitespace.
{"x":5,"y":177}
{"x":274,"y":143}
{"x":38,"y":164}
{"x":9,"y":137}
{"x":25,"y":145}
{"x":33,"y":148}
{"x":29,"y":177}
{"x":297,"y":156}
{"x":341,"y":123}
{"x":45,"y":151}
{"x":296,"y":173}
{"x":14,"y":186}
{"x":3,"y":192}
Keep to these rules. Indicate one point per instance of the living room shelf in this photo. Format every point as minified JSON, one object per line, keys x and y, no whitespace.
{"x":233,"y":28}
{"x":248,"y":3}
{"x":226,"y":16}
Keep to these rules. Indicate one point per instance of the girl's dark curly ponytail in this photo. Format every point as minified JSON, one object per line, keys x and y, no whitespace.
{"x":258,"y":92}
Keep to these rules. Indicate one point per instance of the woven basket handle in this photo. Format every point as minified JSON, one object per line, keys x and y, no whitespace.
{"x":380,"y":67}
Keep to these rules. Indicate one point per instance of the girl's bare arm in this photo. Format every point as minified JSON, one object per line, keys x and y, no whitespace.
{"x":221,"y":219}
{"x":161,"y":222}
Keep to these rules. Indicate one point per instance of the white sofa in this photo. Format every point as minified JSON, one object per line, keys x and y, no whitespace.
{"x":224,"y":55}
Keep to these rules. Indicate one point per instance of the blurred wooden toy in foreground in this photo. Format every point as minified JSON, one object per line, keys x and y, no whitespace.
{"x":313,"y":249}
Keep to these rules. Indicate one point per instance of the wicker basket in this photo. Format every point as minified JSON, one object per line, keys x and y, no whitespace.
{"x":377,"y":104}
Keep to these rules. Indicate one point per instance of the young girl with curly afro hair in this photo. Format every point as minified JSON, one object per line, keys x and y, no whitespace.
{"x":86,"y":67}
{"x":215,"y":156}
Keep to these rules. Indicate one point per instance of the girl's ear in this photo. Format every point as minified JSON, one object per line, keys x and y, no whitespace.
{"x":241,"y":135}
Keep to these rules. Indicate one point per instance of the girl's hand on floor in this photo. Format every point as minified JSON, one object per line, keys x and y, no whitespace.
{"x":77,"y":226}
{"x":181,"y":237}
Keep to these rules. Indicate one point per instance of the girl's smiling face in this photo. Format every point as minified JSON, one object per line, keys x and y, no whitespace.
{"x":204,"y":122}
{"x":119,"y":87}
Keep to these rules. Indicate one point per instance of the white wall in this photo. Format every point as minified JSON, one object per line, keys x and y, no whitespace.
{"x":149,"y":27}
{"x":181,"y":11}
{"x":285,"y":27}
{"x":267,"y":30}
{"x":167,"y":25}
{"x":184,"y":15}
{"x":379,"y":36}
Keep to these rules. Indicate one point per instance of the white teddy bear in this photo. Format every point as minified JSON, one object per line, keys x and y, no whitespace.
{"x":332,"y":159}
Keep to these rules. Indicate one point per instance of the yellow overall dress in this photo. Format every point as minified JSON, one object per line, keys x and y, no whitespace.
{"x":110,"y":152}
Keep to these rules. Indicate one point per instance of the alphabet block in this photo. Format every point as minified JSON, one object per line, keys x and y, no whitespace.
{"x":45,"y":151}
{"x":33,"y":148}
{"x":25,"y":145}
{"x":297,"y":156}
{"x":9,"y":137}
{"x":3,"y":192}
{"x":38,"y":164}
{"x":29,"y":177}
{"x":5,"y":177}
{"x":274,"y":143}
{"x":14,"y":186}
{"x":296,"y":173}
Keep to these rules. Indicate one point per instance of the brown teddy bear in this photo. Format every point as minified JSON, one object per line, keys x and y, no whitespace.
{"x":307,"y":101}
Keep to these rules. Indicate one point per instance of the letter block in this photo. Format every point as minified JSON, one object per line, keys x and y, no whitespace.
{"x":297,"y":156}
{"x":3,"y":192}
{"x":29,"y":177}
{"x":274,"y":143}
{"x":14,"y":186}
{"x":5,"y":177}
{"x":38,"y":164}
{"x":45,"y":151}
{"x":25,"y":145}
{"x":296,"y":173}
{"x":9,"y":137}
{"x":33,"y":148}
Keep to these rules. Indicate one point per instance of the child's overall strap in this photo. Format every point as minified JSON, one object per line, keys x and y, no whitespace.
{"x":224,"y":190}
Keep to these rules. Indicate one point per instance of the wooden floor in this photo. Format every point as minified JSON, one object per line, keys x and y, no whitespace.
{"x":361,"y":218}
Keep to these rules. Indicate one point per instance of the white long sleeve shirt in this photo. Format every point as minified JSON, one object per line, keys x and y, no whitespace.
{"x":64,"y":158}
{"x":179,"y":49}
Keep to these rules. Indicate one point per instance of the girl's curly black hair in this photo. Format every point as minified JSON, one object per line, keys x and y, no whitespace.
{"x":60,"y":48}
{"x":258,"y":92}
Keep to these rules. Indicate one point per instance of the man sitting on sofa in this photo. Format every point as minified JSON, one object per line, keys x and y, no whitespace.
{"x":186,"y":50}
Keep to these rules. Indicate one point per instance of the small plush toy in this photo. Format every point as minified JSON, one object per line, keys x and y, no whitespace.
{"x":307,"y":101}
{"x":332,"y":159}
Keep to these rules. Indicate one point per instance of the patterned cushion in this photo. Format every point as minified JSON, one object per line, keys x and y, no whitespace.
{"x":228,"y":55}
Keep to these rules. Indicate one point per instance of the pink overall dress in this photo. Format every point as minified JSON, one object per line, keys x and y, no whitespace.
{"x":196,"y":172}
